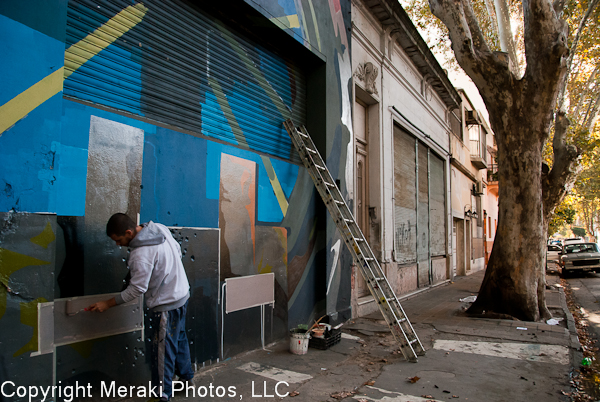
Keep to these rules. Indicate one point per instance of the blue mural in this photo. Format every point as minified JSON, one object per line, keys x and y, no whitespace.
{"x":102,"y":114}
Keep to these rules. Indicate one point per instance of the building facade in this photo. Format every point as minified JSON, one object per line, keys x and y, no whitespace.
{"x":402,"y":152}
{"x":474,"y":205}
{"x":170,"y":111}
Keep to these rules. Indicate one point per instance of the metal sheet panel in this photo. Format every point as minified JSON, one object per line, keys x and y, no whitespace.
{"x":171,"y":62}
{"x":113,"y":185}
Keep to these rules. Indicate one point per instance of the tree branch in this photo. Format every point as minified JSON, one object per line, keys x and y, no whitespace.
{"x":582,"y":24}
{"x":484,"y":67}
{"x":545,"y":41}
{"x":557,"y":182}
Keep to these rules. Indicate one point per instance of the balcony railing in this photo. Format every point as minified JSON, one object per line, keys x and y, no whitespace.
{"x":492,"y":173}
{"x":478,"y":147}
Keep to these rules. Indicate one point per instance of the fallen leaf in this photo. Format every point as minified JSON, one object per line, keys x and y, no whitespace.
{"x":427,"y":396}
{"x":384,"y":360}
{"x":370,"y":382}
{"x":371,"y":363}
{"x":454,"y":396}
{"x":414,"y":379}
{"x":341,"y":395}
{"x":294,"y":393}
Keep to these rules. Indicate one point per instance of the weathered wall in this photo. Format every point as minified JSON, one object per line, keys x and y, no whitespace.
{"x":235,"y":210}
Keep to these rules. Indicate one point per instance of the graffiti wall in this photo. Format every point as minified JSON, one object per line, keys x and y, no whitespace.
{"x":100,"y":114}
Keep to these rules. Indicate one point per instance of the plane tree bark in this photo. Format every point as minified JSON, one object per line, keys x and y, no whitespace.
{"x":521,"y":114}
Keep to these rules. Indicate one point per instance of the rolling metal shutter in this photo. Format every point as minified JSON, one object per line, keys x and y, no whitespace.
{"x":405,"y":189}
{"x":419,"y":204}
{"x":170,"y":62}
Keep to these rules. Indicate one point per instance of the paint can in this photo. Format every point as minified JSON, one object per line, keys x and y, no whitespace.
{"x":299,"y":341}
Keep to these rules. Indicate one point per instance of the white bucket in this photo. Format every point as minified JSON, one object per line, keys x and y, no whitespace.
{"x":299,"y":342}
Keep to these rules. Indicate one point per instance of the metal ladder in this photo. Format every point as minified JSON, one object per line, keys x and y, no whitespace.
{"x":363,"y":256}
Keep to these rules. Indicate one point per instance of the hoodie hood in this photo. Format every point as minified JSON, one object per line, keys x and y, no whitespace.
{"x":150,"y":235}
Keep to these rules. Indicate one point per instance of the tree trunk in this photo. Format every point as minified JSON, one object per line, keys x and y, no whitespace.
{"x":520,"y":111}
{"x":514,"y":267}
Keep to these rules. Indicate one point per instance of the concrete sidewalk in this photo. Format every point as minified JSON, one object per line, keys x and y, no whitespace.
{"x":466,"y":359}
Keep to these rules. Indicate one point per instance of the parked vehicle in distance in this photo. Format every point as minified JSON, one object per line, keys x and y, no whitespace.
{"x":579,"y":257}
{"x":572,"y":240}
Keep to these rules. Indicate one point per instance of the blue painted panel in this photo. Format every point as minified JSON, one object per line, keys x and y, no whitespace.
{"x":27,"y":57}
{"x":27,"y":160}
{"x":174,"y":181}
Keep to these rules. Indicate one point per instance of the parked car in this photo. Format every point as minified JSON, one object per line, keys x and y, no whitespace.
{"x":552,"y":256}
{"x":579,"y":257}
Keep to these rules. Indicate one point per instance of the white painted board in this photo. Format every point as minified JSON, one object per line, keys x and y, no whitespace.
{"x":86,"y":325}
{"x":249,"y":291}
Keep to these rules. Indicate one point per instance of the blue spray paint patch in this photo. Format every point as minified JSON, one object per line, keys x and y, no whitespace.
{"x":214,"y":122}
{"x":28,"y":56}
{"x":268,"y":208}
{"x":71,"y":180}
{"x":213,"y":170}
{"x":173,"y":181}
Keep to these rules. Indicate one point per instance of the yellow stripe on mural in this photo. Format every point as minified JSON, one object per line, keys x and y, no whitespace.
{"x":277,"y":189}
{"x":79,"y":53}
{"x":22,"y":104}
{"x":75,"y":56}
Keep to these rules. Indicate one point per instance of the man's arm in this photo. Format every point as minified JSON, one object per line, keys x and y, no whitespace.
{"x":103,"y":305}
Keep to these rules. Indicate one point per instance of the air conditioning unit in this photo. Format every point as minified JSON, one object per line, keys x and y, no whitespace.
{"x":478,"y":188}
{"x":472,"y":117}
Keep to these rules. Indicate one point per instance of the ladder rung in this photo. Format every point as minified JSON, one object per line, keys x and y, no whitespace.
{"x":358,"y":239}
{"x":369,"y":259}
{"x":412,"y":341}
{"x":319,"y":167}
{"x":329,"y":184}
{"x":302,"y":134}
{"x":312,"y":151}
{"x":339,"y":202}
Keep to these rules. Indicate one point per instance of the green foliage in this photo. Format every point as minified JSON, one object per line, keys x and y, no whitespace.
{"x":578,"y":231}
{"x":564,"y":215}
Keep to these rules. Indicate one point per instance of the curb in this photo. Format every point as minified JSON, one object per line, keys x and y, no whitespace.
{"x":574,"y":338}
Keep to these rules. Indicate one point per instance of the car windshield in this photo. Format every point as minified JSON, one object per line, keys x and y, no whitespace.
{"x":582,"y":248}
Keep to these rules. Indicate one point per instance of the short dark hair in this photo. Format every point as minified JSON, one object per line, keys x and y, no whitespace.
{"x":118,"y":224}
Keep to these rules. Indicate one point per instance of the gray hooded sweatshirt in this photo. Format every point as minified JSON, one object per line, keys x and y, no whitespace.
{"x":156,"y":270}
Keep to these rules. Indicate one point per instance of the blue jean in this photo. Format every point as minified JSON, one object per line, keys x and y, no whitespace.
{"x":170,"y":349}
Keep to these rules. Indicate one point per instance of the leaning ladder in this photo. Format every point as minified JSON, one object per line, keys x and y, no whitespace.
{"x":355,"y":240}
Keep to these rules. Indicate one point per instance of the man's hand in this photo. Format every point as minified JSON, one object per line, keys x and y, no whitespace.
{"x":102,"y":306}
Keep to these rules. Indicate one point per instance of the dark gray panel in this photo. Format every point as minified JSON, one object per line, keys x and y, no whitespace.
{"x":200,"y":249}
{"x":121,"y":358}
